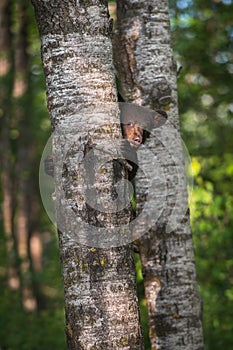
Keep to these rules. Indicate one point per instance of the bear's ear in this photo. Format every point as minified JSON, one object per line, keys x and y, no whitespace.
{"x":144,"y":117}
{"x":136,"y":114}
{"x":160,"y":118}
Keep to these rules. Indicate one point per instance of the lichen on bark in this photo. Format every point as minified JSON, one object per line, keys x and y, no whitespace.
{"x":99,"y":283}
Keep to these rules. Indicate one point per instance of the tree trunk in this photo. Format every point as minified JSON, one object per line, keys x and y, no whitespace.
{"x":147,"y":73}
{"x":98,"y":272}
{"x":7,"y":177}
{"x":24,"y":155}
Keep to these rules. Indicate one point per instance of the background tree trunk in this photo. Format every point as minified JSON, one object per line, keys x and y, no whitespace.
{"x":17,"y":143}
{"x":25,"y":155}
{"x":147,"y":72}
{"x":6,"y":78}
{"x":99,"y":280}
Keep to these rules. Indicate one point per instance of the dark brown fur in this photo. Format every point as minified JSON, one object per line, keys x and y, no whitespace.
{"x":136,"y":124}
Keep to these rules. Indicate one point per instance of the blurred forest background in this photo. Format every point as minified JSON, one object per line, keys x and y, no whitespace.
{"x":31,"y":292}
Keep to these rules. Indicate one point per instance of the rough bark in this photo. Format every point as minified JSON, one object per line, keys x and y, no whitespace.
{"x":147,"y":72}
{"x":99,"y":278}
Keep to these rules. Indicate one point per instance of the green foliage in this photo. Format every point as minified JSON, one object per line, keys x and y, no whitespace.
{"x":21,"y":330}
{"x":27,"y":331}
{"x":42,"y":330}
{"x":142,"y":302}
{"x":212,"y":222}
{"x":203,"y":42}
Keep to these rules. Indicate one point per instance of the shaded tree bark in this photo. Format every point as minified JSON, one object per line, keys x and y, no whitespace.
{"x":98,"y":272}
{"x":144,"y":59}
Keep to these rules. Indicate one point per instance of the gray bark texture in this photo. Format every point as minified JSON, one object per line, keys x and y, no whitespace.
{"x":147,"y":72}
{"x":98,"y":272}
